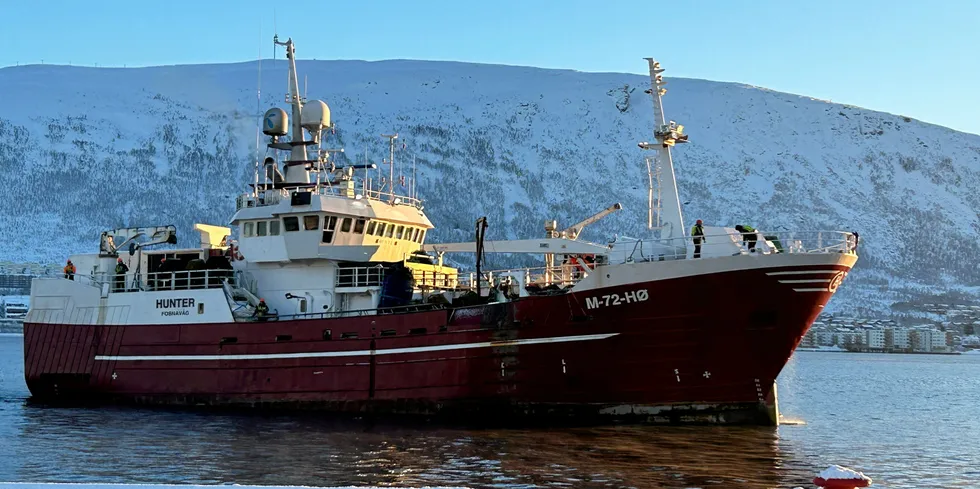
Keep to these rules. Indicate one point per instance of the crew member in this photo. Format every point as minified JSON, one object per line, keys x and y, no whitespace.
{"x":261,"y":310}
{"x":697,"y":232}
{"x":120,"y":279}
{"x":70,"y":271}
{"x":749,"y":236}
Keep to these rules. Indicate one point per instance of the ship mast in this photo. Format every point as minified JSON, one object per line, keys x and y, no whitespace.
{"x":666,"y":134}
{"x":391,"y":165}
{"x":297,"y":155}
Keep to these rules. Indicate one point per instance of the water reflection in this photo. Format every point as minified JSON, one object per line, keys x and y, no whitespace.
{"x":153,"y":446}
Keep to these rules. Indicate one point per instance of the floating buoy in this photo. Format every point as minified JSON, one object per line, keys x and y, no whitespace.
{"x":837,"y":477}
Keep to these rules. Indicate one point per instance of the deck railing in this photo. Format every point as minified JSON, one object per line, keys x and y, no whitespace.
{"x":179,"y":280}
{"x":274,"y":196}
{"x":729,"y":244}
{"x":372,"y":276}
{"x":357,"y":313}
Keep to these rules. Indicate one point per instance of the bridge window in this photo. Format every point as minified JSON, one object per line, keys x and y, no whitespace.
{"x":390,"y":231}
{"x":359,"y":226}
{"x":381,"y":229}
{"x":415,"y":234}
{"x":345,"y":225}
{"x":371,"y":227}
{"x":290,"y":223}
{"x":249,"y":229}
{"x":398,"y":232}
{"x":311,"y":223}
{"x":261,"y":228}
{"x":422,"y":236}
{"x":274,"y":228}
{"x":329,"y":225}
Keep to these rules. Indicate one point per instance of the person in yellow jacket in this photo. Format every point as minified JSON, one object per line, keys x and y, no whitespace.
{"x":70,"y":270}
{"x":697,"y":234}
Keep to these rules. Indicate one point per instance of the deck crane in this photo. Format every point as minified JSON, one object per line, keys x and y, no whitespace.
{"x":572,"y":232}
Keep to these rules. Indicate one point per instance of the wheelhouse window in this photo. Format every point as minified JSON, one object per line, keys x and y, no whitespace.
{"x":415,"y":234}
{"x":261,"y":228}
{"x":273,"y":228}
{"x":345,"y":225}
{"x":399,"y":231}
{"x":290,"y":223}
{"x":311,"y":223}
{"x":371,"y":227}
{"x":390,"y":231}
{"x":381,"y":229}
{"x":359,"y":226}
{"x":249,"y":229}
{"x":329,"y":225}
{"x":421,"y":236}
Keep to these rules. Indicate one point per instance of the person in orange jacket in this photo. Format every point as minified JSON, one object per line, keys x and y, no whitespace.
{"x":70,"y":270}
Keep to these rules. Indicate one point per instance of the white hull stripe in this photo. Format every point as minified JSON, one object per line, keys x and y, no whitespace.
{"x":806,"y":281}
{"x":354,"y":353}
{"x":824,"y":289}
{"x":802,"y":272}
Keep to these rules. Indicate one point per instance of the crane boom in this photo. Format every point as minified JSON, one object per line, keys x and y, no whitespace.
{"x":573,"y":231}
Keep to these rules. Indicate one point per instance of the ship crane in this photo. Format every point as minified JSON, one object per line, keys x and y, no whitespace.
{"x":572,"y":232}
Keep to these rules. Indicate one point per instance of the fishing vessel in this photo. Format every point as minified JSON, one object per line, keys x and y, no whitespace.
{"x":324,"y":293}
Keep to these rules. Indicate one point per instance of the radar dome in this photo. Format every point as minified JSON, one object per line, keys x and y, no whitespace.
{"x":316,"y":115}
{"x":275,"y":122}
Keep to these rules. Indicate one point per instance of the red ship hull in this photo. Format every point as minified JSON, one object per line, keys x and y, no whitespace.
{"x":697,"y":348}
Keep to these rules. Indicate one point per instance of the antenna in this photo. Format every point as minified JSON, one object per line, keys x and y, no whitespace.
{"x":391,"y":161}
{"x":258,"y":114}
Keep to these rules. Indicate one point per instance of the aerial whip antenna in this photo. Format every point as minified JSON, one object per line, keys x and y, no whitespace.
{"x":258,"y":113}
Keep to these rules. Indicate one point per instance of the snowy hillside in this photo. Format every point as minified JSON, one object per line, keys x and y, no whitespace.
{"x":87,"y":149}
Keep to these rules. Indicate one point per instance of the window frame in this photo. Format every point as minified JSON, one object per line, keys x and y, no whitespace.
{"x":329,"y":229}
{"x":306,"y":222}
{"x":248,"y":229}
{"x":285,"y":223}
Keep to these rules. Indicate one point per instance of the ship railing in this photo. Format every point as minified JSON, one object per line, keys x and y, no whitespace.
{"x":178,"y":280}
{"x":530,"y":278}
{"x":189,"y":279}
{"x":434,"y":279}
{"x":370,"y":276}
{"x":360,"y":312}
{"x":274,"y":196}
{"x":762,"y":242}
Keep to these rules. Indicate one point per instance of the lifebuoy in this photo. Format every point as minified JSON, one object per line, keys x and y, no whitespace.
{"x":235,"y":254}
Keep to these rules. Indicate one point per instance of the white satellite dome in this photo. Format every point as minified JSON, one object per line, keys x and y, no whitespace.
{"x":275,"y":122}
{"x":316,"y":115}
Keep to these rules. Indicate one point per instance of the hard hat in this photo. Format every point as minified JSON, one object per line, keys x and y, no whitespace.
{"x":119,"y":260}
{"x":699,"y":222}
{"x":69,"y":261}
{"x":261,"y":300}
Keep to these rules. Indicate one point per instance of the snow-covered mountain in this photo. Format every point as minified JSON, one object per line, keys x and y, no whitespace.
{"x":88,"y":149}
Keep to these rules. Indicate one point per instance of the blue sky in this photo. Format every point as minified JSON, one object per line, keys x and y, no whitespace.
{"x":912,"y":58}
